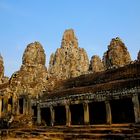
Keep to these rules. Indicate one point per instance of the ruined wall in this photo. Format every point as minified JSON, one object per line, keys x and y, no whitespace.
{"x":117,"y":54}
{"x":69,"y":60}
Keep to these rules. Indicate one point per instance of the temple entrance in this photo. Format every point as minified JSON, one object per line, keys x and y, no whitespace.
{"x":77,"y":114}
{"x":60,"y":115}
{"x":46,"y":116}
{"x":21,"y":101}
{"x":97,"y":113}
{"x":122,"y":111}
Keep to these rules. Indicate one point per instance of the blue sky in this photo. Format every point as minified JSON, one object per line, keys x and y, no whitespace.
{"x":95,"y":23}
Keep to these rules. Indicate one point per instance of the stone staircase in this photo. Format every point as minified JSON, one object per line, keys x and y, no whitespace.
{"x":98,"y":132}
{"x":21,"y":121}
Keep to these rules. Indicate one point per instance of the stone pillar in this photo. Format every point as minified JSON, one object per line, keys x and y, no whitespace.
{"x":17,"y":107}
{"x":135,"y":101}
{"x":24,"y":106}
{"x":13,"y":104}
{"x":0,"y":107}
{"x":5,"y":104}
{"x":52,"y":115}
{"x":86,"y":113}
{"x":108,"y":113}
{"x":29,"y":107}
{"x":38,"y":114}
{"x":68,"y":115}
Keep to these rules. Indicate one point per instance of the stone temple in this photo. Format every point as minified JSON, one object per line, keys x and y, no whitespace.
{"x":74,"y":98}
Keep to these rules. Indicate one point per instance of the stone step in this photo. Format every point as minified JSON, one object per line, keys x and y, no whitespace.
{"x":78,"y":133}
{"x":71,"y":135}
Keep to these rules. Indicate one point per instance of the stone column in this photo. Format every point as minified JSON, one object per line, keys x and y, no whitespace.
{"x":24,"y":106}
{"x":13,"y":104}
{"x":52,"y":115}
{"x":5,"y":104}
{"x":29,"y":107}
{"x":38,"y":114}
{"x":0,"y":107}
{"x":68,"y":115}
{"x":17,"y":107}
{"x":135,"y":101}
{"x":108,"y":113}
{"x":86,"y":113}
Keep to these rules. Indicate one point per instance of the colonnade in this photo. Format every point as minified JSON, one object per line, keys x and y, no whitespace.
{"x":16,"y":107}
{"x":86,"y":114}
{"x":24,"y":106}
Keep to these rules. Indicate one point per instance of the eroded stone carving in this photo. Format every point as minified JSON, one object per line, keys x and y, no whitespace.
{"x":31,"y":78}
{"x":69,"y":60}
{"x":96,"y":64}
{"x":117,"y":54}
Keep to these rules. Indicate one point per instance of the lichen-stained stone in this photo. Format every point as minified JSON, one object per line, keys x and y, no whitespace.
{"x":117,"y":54}
{"x":96,"y":64}
{"x":31,"y":78}
{"x":69,"y":60}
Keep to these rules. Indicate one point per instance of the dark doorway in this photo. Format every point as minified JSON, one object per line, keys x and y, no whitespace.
{"x":139,"y":98}
{"x":97,"y":113}
{"x":122,"y":111}
{"x":46,"y":116}
{"x":60,"y":115}
{"x":77,"y":114}
{"x":21,"y":105}
{"x":2,"y":104}
{"x":34,"y":109}
{"x":10,"y":101}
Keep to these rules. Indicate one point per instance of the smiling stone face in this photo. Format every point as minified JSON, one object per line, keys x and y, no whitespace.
{"x":117,"y":54}
{"x":69,"y":60}
{"x":31,"y":78}
{"x":34,"y":54}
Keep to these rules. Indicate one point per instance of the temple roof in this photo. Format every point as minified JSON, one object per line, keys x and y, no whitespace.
{"x":115,"y":79}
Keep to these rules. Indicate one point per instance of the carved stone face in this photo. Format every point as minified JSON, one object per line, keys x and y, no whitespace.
{"x":34,"y":54}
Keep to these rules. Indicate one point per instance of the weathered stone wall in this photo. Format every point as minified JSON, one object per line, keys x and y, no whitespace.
{"x":69,"y":60}
{"x":117,"y":54}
